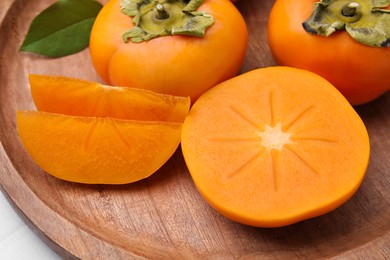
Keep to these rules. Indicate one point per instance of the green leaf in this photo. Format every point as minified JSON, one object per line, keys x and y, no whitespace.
{"x":63,"y":28}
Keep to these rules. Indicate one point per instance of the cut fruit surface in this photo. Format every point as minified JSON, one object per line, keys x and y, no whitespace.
{"x":275,"y":146}
{"x":97,"y":150}
{"x":71,"y":96}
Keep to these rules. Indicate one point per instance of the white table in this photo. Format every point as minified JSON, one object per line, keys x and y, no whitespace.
{"x":17,"y":240}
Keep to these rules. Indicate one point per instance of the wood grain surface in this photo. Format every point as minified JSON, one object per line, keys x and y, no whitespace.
{"x":164,"y":217}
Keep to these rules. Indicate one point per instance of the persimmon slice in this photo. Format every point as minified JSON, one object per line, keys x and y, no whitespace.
{"x":71,"y":96}
{"x":275,"y":146}
{"x":97,"y":150}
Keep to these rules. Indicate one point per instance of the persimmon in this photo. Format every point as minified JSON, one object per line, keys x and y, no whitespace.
{"x":92,"y":133}
{"x":153,"y":47}
{"x":97,"y":150}
{"x":72,"y":96}
{"x":310,"y":35}
{"x":275,"y":146}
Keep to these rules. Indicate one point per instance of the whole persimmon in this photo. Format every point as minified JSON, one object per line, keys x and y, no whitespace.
{"x":346,"y":42}
{"x":180,"y":48}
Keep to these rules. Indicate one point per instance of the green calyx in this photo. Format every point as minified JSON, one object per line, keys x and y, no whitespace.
{"x":154,"y":18}
{"x":365,"y":20}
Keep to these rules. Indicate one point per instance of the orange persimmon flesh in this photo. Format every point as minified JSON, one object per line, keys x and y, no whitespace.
{"x":91,"y":133}
{"x":97,"y":150}
{"x":72,"y":96}
{"x":275,"y":146}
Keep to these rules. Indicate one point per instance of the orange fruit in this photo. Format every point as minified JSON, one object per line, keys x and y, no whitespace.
{"x":275,"y":146}
{"x":87,"y":132}
{"x":71,"y":96}
{"x":177,"y":65}
{"x":97,"y":150}
{"x":359,"y":71}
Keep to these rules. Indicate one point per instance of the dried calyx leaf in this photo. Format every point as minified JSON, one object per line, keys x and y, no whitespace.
{"x":365,"y":20}
{"x":154,"y":18}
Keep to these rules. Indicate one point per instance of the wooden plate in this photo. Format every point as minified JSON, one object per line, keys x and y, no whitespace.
{"x":164,"y":216}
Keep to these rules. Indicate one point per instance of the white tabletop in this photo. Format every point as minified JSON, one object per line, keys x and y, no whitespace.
{"x":17,"y":240}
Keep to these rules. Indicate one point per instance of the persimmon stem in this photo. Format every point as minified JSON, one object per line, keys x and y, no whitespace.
{"x":350,"y":9}
{"x":161,"y":12}
{"x":366,"y":21}
{"x":155,"y":18}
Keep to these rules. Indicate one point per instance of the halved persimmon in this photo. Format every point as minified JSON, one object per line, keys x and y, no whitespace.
{"x":71,"y":96}
{"x":275,"y":146}
{"x":97,"y":150}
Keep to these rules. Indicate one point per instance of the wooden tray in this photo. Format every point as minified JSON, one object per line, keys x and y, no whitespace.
{"x":164,"y":216}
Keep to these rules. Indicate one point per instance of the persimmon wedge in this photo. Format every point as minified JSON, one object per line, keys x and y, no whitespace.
{"x":275,"y":146}
{"x":97,"y":150}
{"x":72,"y":96}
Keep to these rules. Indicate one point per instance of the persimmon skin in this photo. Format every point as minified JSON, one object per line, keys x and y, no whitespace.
{"x":359,"y":72}
{"x":175,"y":65}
